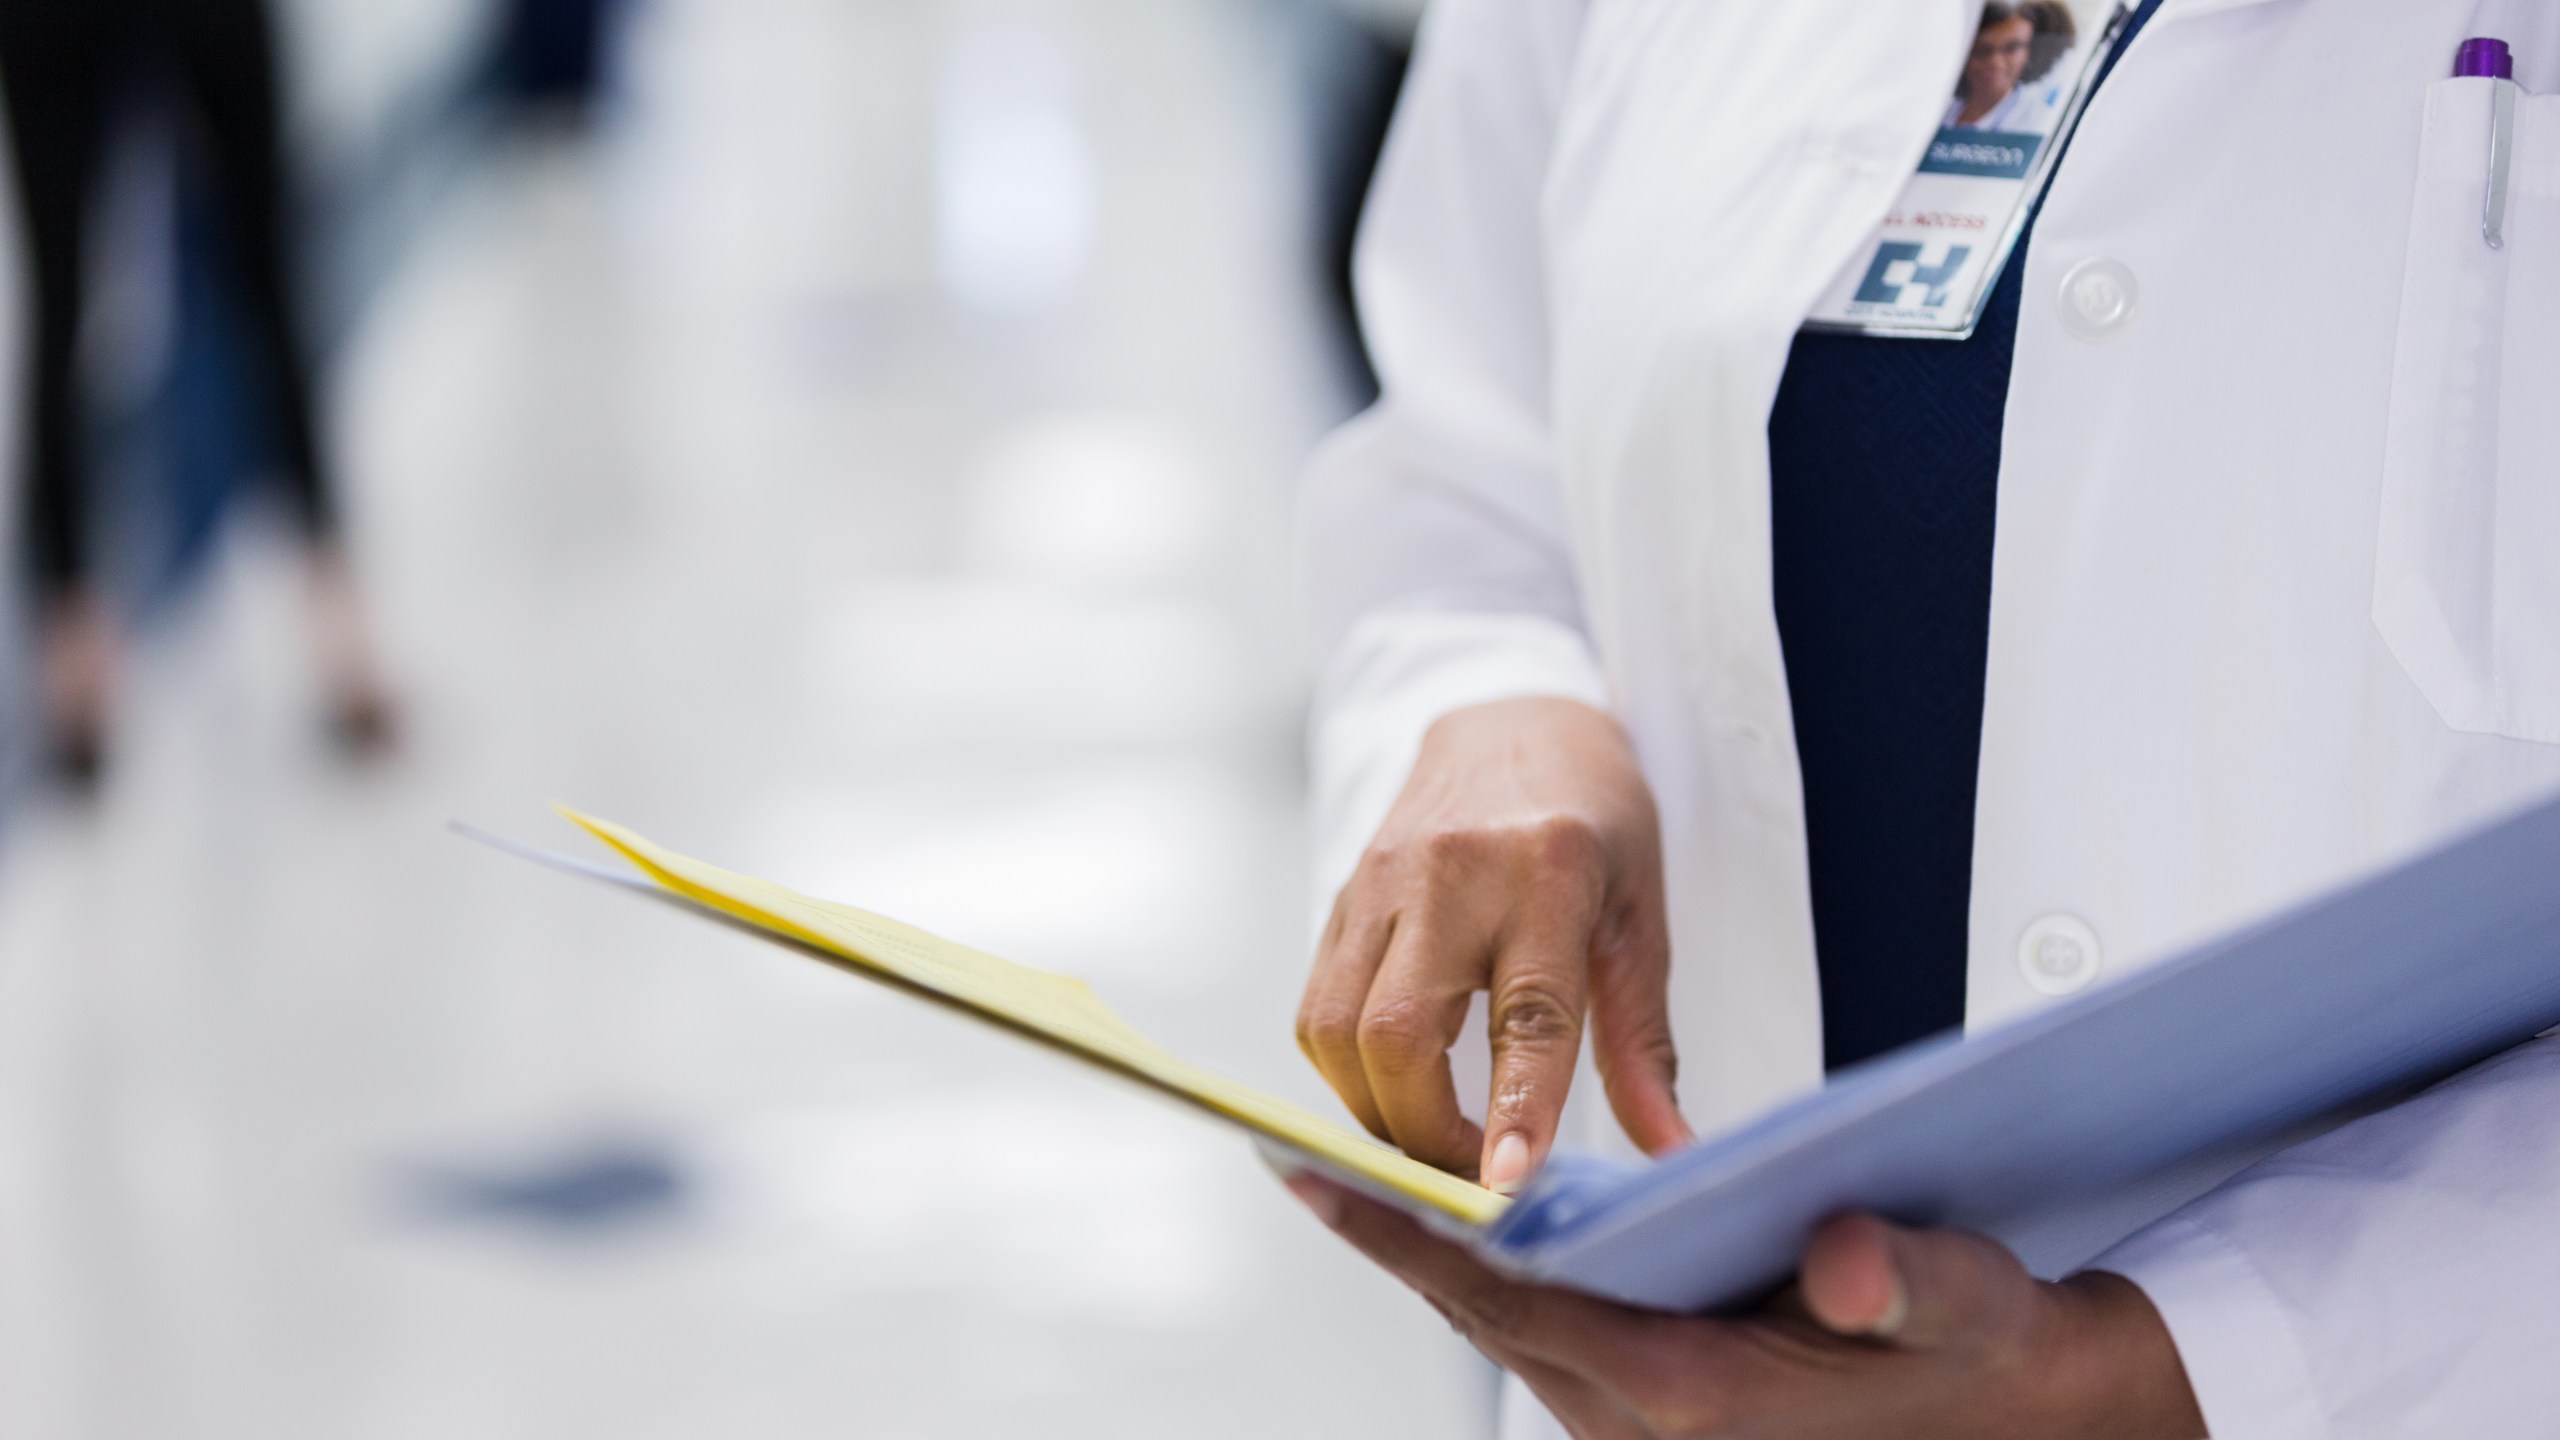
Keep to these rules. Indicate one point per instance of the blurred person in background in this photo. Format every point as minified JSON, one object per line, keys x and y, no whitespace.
{"x":72,"y":70}
{"x":551,"y":55}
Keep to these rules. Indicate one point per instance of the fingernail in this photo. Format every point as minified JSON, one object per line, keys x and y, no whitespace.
{"x":1897,"y":1309}
{"x":1317,"y":1196}
{"x":1509,"y":1166}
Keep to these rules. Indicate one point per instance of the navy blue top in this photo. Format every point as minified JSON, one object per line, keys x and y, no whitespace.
{"x":1884,"y":461}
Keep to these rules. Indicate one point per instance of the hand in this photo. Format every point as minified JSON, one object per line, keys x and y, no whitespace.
{"x":1890,"y":1334}
{"x":1523,"y":859}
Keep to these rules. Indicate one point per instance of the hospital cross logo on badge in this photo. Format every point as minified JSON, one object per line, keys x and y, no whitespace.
{"x":1898,"y":265}
{"x":1931,"y":264}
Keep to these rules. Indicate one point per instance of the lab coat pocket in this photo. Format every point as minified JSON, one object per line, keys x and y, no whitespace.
{"x":2467,"y":559}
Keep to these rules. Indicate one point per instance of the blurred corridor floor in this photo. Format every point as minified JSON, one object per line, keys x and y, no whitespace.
{"x":865,"y":461}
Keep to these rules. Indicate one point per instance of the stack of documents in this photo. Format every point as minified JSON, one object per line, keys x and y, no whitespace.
{"x":2385,"y":985}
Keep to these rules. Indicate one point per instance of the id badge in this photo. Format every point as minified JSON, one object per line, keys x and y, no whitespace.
{"x":1932,"y":264}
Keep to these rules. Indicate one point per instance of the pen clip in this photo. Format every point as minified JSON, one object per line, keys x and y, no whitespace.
{"x":2502,"y":146}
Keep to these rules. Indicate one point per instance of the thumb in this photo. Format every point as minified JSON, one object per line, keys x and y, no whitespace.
{"x":1920,"y":1289}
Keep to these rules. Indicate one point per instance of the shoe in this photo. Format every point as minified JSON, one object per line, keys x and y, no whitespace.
{"x":362,"y":721}
{"x":78,"y":663}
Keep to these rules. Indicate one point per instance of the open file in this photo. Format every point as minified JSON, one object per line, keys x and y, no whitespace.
{"x":1052,"y":1009}
{"x":2381,"y":986}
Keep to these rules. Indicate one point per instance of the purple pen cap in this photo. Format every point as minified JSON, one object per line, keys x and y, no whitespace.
{"x":2484,"y":58}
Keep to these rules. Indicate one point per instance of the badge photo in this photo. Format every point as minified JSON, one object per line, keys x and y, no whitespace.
{"x":1931,"y":264}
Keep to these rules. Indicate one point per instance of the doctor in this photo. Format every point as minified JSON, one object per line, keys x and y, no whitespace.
{"x":1769,"y":701}
{"x":2014,"y":79}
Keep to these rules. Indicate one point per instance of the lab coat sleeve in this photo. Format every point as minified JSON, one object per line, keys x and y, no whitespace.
{"x":2395,"y":1277}
{"x":1437,"y":561}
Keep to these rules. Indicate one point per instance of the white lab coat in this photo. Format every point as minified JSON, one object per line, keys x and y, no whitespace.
{"x":2276,"y":586}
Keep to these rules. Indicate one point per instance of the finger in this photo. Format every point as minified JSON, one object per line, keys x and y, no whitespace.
{"x":1586,"y":1411}
{"x":1787,"y":1302}
{"x":1631,"y":1022}
{"x":1416,"y":1006}
{"x":1848,"y":1284}
{"x":1559,"y":1328}
{"x":1355,"y":940}
{"x":1538,"y":992}
{"x":1633,"y":1372}
{"x":1921,"y":1289}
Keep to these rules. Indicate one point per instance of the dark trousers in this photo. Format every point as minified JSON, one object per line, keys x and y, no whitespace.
{"x":70,"y":68}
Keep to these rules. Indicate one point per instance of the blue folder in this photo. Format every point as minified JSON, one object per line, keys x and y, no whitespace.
{"x":2122,"y":1100}
{"x":2346,"y":1001}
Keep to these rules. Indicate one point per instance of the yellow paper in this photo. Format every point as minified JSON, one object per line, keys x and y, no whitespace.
{"x":1053,"y":1008}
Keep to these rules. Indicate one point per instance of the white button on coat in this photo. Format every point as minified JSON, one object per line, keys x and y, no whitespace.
{"x":2098,"y":297}
{"x":2189,"y":717}
{"x":1595,"y":231}
{"x":2059,"y":955}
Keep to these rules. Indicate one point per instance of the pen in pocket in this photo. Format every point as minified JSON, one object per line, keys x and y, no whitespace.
{"x":2485,"y":58}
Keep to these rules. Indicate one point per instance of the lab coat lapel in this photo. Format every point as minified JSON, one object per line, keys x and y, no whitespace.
{"x":1717,"y":163}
